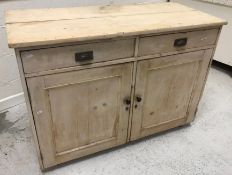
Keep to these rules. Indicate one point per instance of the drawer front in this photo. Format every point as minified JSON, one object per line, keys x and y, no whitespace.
{"x":68,"y":56}
{"x":173,"y":42}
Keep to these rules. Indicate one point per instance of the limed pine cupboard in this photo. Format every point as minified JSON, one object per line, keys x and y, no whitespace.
{"x":101,"y":76}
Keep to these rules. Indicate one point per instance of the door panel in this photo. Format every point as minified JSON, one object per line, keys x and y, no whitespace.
{"x":80,"y":112}
{"x":165,"y":85}
{"x":168,"y":99}
{"x":94,"y":102}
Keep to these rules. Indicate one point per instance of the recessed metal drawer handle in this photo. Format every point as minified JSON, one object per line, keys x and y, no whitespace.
{"x":84,"y":56}
{"x":180,"y":42}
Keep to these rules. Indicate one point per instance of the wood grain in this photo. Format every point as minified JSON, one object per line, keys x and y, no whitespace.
{"x":165,"y":43}
{"x":53,"y":58}
{"x":79,"y":109}
{"x":165,"y":85}
{"x":80,"y":112}
{"x":25,"y":34}
{"x":55,"y":14}
{"x":29,"y":109}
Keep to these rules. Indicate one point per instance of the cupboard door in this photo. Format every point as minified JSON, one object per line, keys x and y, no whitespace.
{"x":164,"y":89}
{"x":81,"y":112}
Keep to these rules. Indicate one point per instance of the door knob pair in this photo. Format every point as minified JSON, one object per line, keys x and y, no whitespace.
{"x":127,"y":100}
{"x":138,"y":98}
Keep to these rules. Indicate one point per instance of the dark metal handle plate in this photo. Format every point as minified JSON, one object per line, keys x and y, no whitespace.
{"x":180,"y":42}
{"x":84,"y":56}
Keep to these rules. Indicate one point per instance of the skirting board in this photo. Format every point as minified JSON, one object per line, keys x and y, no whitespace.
{"x":11,"y":101}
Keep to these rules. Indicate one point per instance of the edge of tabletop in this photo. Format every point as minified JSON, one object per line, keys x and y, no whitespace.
{"x":20,"y":45}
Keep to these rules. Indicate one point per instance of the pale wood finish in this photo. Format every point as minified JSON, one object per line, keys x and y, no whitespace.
{"x":55,"y":14}
{"x":165,"y":85}
{"x":61,"y":57}
{"x":165,"y":43}
{"x":77,"y":109}
{"x":133,"y":88}
{"x":114,"y":62}
{"x":28,"y":104}
{"x":74,"y":29}
{"x":80,"y":112}
{"x":200,"y":84}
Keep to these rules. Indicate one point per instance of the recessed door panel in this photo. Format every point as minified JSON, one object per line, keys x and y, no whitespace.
{"x":167,"y":93}
{"x":85,"y":113}
{"x":165,"y":86}
{"x":80,"y":112}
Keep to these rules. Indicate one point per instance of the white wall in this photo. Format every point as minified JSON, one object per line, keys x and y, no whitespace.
{"x":224,"y":48}
{"x":10,"y":86}
{"x":223,"y":2}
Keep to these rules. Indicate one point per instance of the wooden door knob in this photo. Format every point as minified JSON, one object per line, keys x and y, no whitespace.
{"x":127,"y":101}
{"x":138,"y":99}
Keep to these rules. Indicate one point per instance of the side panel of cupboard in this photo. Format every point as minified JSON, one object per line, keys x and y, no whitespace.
{"x":80,"y":112}
{"x":165,"y":89}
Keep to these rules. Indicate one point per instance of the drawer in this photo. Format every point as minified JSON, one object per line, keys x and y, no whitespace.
{"x":68,"y":56}
{"x":173,"y":42}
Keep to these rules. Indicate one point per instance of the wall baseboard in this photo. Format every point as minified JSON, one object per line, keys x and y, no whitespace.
{"x":11,"y":101}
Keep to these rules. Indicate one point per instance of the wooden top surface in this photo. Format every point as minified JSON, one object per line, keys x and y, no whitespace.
{"x":37,"y":27}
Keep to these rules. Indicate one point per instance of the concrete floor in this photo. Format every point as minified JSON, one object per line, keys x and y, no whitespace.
{"x":203,"y":148}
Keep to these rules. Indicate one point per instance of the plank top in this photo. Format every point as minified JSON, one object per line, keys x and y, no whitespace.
{"x":38,"y":27}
